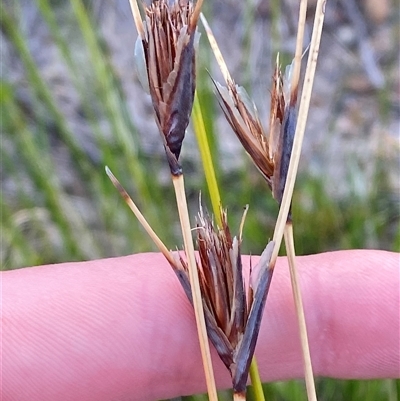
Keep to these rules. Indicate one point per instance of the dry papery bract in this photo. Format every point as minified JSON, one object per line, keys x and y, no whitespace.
{"x":269,"y":152}
{"x":233,"y":307}
{"x":167,"y":42}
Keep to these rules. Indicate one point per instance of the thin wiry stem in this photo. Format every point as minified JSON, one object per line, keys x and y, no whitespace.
{"x":298,"y":53}
{"x":195,"y":286}
{"x":300,"y":128}
{"x":193,"y":274}
{"x":160,"y":245}
{"x":137,"y":18}
{"x":217,"y":53}
{"x":288,"y":232}
{"x":308,"y":371}
{"x":196,"y":13}
{"x":256,"y":381}
{"x":208,"y":167}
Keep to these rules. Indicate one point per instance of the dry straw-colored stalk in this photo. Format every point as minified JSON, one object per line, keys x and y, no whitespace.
{"x":288,"y":231}
{"x":142,"y":220}
{"x":300,"y":126}
{"x":281,"y":225}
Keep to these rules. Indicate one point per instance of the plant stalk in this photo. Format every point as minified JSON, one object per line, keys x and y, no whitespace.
{"x":256,"y":381}
{"x":298,"y":53}
{"x":291,"y":255}
{"x":160,"y":245}
{"x":288,"y":230}
{"x":300,"y":128}
{"x":193,"y":274}
{"x":209,"y":171}
{"x":194,"y":283}
{"x":282,"y":227}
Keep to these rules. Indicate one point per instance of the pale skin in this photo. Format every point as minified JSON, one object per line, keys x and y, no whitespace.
{"x":122,"y":329}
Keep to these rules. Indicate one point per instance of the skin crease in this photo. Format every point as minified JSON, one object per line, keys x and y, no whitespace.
{"x":122,"y":329}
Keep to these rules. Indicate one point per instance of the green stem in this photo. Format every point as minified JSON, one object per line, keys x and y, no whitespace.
{"x":212,"y":185}
{"x":200,"y":131}
{"x":256,"y":381}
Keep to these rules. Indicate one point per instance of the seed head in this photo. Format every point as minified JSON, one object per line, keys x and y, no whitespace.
{"x":232,"y":308}
{"x":270,"y":153}
{"x":242,"y":115}
{"x":168,"y":40}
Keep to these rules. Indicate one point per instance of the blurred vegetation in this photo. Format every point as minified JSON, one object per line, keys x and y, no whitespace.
{"x":58,"y":205}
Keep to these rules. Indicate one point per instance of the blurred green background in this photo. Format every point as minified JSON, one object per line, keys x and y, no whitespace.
{"x":71,"y":104}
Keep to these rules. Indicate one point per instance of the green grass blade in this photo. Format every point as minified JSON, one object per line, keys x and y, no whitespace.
{"x":199,"y":129}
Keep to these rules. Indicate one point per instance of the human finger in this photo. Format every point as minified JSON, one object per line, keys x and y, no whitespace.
{"x":123,"y":329}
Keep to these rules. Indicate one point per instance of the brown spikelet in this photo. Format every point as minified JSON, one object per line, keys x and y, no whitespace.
{"x":270,"y":152}
{"x":232,"y":308}
{"x":282,"y":126}
{"x":168,"y":41}
{"x":241,"y":114}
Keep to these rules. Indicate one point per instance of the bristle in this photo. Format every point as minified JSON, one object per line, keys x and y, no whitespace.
{"x":217,"y":53}
{"x":137,"y":18}
{"x":246,"y":209}
{"x":160,"y":245}
{"x":195,"y":15}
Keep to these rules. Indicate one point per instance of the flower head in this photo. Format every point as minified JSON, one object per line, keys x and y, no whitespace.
{"x":232,"y":306}
{"x":168,"y":41}
{"x":242,"y":116}
{"x":270,"y":152}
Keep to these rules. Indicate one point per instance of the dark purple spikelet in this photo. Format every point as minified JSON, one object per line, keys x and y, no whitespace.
{"x":282,"y":125}
{"x":169,"y":51}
